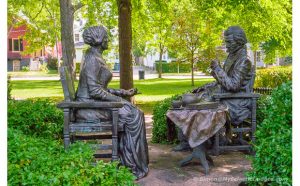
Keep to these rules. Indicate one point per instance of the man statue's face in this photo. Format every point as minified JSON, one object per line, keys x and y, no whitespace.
{"x":231,"y":45}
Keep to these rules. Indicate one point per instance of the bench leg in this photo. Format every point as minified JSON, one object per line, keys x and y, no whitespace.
{"x":216,"y":150}
{"x":66,"y":128}
{"x":115,"y":117}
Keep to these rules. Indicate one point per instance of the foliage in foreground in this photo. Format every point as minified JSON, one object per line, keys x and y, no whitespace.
{"x":159,"y":131}
{"x":273,"y":77}
{"x":36,"y":117}
{"x":9,"y":88}
{"x":39,"y":161}
{"x":272,"y":164}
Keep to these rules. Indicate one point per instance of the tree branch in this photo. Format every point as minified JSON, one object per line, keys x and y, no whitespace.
{"x":43,"y":4}
{"x":77,"y":6}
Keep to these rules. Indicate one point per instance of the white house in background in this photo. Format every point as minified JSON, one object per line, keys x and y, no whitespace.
{"x":78,"y":40}
{"x":150,"y":59}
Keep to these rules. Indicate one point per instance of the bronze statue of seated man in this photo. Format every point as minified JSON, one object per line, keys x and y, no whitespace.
{"x":234,"y":77}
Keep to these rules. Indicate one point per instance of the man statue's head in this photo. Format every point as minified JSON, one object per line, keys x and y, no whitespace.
{"x":235,"y":39}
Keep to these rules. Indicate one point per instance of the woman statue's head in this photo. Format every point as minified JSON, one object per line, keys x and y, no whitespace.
{"x":96,"y":36}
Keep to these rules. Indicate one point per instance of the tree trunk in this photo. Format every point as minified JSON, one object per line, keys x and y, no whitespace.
{"x":192,"y":68}
{"x":125,"y":44}
{"x":255,"y":56}
{"x":67,"y":38}
{"x":160,"y":62}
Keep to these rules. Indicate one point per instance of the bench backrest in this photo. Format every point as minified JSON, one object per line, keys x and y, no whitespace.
{"x":67,"y":83}
{"x":252,"y":78}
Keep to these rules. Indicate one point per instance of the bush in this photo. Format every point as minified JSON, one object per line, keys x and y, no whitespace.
{"x":25,"y":69}
{"x":36,"y":117}
{"x":273,"y":77}
{"x":173,"y":67}
{"x":77,"y":68}
{"x":52,"y":63}
{"x":44,"y":68}
{"x":39,"y":161}
{"x":159,"y":131}
{"x":262,"y":104}
{"x":203,"y":66}
{"x":272,"y":164}
{"x":9,"y":88}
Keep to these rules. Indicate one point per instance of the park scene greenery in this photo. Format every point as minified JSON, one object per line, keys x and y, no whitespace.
{"x":191,"y":32}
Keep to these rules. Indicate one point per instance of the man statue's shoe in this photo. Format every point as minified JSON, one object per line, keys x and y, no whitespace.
{"x":182,"y":147}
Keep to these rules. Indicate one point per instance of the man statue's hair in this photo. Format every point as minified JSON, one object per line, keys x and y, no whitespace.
{"x":238,"y":34}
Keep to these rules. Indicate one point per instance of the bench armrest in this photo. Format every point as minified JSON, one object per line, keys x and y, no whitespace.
{"x":99,"y":105}
{"x":235,"y":95}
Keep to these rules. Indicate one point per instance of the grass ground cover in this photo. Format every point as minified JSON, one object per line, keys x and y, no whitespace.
{"x":153,"y":90}
{"x":51,"y":73}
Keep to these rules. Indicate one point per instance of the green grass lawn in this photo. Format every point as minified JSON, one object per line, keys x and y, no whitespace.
{"x":153,"y":90}
{"x":51,"y":73}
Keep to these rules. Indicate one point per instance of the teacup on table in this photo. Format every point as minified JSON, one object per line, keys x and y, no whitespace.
{"x":176,"y":103}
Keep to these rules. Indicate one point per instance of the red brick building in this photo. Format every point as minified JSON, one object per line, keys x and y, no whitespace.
{"x":16,"y":45}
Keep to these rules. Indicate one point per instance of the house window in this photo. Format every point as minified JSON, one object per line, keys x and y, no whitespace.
{"x":15,"y":45}
{"x":76,"y":37}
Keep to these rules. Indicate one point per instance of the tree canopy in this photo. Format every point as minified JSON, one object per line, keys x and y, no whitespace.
{"x":169,"y":24}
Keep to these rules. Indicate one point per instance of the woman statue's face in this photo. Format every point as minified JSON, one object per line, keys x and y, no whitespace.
{"x":105,"y":43}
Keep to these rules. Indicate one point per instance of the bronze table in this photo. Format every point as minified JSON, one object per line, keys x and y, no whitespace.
{"x":198,"y":125}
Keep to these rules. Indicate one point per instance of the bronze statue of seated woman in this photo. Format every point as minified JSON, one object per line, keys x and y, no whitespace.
{"x":93,"y":86}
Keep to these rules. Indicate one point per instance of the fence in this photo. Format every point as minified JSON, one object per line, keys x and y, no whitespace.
{"x":263,"y":90}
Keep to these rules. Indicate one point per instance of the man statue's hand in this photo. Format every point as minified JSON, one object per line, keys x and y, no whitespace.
{"x":131,"y":92}
{"x":214,"y":64}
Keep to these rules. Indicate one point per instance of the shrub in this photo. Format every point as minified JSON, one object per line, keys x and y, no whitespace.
{"x":159,"y":131}
{"x":273,"y":77}
{"x":52,"y":63}
{"x":272,"y":164}
{"x":44,"y":68}
{"x":173,"y":67}
{"x":9,"y":88}
{"x":39,"y":161}
{"x":110,"y":65}
{"x":262,"y":104}
{"x":25,"y":69}
{"x":77,"y":68}
{"x":36,"y":117}
{"x":203,"y":66}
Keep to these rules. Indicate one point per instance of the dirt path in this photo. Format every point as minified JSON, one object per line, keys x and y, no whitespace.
{"x":228,"y":170}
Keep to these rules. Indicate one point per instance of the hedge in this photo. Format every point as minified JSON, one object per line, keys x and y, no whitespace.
{"x":42,"y":161}
{"x":273,"y":77}
{"x":272,"y":164}
{"x":159,"y":131}
{"x":36,"y":155}
{"x":173,"y":67}
{"x":38,"y":117}
{"x":52,"y":63}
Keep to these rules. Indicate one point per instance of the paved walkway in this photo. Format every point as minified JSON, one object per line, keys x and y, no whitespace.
{"x":228,"y":170}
